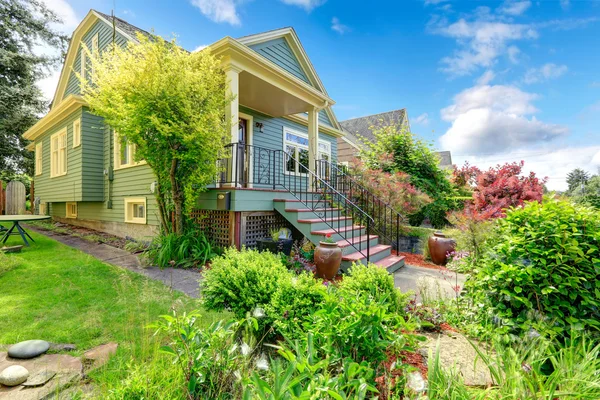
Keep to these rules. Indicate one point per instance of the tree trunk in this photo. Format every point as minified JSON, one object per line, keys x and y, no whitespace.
{"x":177,"y":198}
{"x":162,"y":209}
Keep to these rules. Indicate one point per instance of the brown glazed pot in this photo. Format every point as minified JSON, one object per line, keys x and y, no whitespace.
{"x":439,"y":247}
{"x":328,"y":258}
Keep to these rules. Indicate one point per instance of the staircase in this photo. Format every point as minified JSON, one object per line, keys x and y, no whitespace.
{"x":317,"y":217}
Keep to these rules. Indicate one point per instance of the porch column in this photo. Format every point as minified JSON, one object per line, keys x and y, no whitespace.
{"x":232,"y":110}
{"x":313,"y":138}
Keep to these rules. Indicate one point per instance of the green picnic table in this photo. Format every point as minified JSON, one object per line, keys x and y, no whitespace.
{"x":15,"y":219}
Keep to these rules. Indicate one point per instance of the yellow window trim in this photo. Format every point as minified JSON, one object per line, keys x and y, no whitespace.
{"x":53,"y":168}
{"x":71,"y":210}
{"x":128,"y":203}
{"x":77,"y":133}
{"x":117,"y":155}
{"x":39,"y":158}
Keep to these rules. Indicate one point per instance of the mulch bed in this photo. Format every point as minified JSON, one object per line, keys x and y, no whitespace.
{"x":418,"y":260}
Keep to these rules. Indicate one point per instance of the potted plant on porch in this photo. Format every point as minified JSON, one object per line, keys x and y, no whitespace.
{"x":280,"y":242}
{"x":328,"y":258}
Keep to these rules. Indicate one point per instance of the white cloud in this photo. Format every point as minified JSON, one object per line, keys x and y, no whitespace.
{"x":565,"y":4}
{"x":434,"y":2}
{"x":544,"y":73}
{"x":202,"y":46}
{"x":513,"y":54}
{"x":493,"y":119}
{"x":219,"y":10}
{"x":595,"y":84}
{"x":481,"y":42}
{"x":553,"y":163}
{"x":308,"y":5}
{"x":422,"y":119}
{"x":514,"y":8}
{"x":66,"y":13}
{"x":337,"y":26}
{"x":486,"y":78}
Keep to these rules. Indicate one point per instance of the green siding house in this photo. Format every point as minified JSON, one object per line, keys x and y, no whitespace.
{"x":282,"y":151}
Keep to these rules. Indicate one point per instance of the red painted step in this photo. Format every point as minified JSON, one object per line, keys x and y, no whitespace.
{"x":359,"y":256}
{"x":301,"y":201}
{"x":316,"y":220}
{"x":325,"y":232}
{"x":389,"y":261}
{"x":309,"y":209}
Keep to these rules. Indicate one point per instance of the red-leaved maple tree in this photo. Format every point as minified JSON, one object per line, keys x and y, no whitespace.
{"x":498,"y":188}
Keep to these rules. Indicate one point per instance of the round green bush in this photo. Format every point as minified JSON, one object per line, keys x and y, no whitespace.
{"x":241,"y":281}
{"x":544,"y":268}
{"x":293,"y":304}
{"x":375,"y":281}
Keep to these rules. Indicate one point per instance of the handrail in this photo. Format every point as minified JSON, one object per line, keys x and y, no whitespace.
{"x":312,"y":185}
{"x":386,"y":220}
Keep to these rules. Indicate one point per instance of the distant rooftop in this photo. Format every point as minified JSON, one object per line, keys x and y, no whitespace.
{"x":361,"y":126}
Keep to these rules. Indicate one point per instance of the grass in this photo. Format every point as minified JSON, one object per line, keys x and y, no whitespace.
{"x":59,"y":294}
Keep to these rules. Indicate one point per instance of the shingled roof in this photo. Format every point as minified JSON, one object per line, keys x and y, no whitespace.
{"x":125,"y":26}
{"x":361,"y":126}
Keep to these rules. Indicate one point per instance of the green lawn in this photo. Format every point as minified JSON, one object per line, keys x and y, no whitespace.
{"x":62,"y":295}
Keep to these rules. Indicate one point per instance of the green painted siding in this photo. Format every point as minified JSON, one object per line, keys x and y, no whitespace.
{"x":105,"y":37}
{"x":279,"y":52}
{"x":92,"y":144}
{"x":67,"y":187}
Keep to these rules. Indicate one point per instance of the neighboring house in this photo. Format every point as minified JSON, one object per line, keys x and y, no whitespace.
{"x":86,"y":175}
{"x":360,"y":128}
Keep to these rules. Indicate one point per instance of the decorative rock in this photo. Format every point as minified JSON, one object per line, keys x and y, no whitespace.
{"x":28,"y":349}
{"x":39,"y":379}
{"x":13,"y":375}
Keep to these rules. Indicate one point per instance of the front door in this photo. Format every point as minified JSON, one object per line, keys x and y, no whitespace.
{"x":242,"y":156}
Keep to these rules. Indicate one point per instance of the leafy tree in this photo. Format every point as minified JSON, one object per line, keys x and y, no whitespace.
{"x":170,"y":104}
{"x":589,"y":193}
{"x":395,"y":149}
{"x":499,"y":188}
{"x":23,"y":25}
{"x":576,"y":178}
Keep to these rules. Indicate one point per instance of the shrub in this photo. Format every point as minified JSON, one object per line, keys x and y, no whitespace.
{"x":185,"y":251}
{"x":546,"y":264}
{"x":373,"y":281}
{"x":241,"y":281}
{"x":293,"y":304}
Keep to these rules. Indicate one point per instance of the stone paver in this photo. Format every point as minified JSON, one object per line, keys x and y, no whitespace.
{"x":427,"y":283}
{"x":185,"y":281}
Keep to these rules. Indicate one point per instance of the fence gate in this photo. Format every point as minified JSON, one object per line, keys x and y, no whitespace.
{"x":15,"y":198}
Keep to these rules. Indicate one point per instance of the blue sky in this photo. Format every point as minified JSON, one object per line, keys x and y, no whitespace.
{"x":490,"y":81}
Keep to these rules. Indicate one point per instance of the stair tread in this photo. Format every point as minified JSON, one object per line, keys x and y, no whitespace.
{"x":300,"y":201}
{"x":316,"y":220}
{"x":359,"y":256}
{"x":310,"y":209}
{"x":389,"y":261}
{"x":357,"y":239}
{"x":324,"y":232}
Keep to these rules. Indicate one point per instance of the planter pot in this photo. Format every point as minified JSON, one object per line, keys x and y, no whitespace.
{"x":439,"y":247}
{"x":281,"y":246}
{"x":328,"y":258}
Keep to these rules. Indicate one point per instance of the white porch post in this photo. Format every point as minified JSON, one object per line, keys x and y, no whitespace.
{"x":232,"y":115}
{"x":313,"y":139}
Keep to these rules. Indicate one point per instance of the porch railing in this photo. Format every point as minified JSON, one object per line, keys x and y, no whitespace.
{"x":247,"y":164}
{"x":387,"y":222}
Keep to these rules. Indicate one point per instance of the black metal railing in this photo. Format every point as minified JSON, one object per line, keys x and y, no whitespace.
{"x":276,"y":169}
{"x":387,"y":222}
{"x":333,"y":208}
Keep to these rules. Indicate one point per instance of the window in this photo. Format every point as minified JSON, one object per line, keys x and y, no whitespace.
{"x":77,"y":133}
{"x":58,"y":154}
{"x":135,"y":210}
{"x":94,"y":50}
{"x":71,"y":210}
{"x":83,"y":64}
{"x":38,"y":158}
{"x":124,"y":153}
{"x":295,"y":145}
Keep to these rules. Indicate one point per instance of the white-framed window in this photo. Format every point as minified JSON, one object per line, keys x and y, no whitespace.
{"x":124,"y":152}
{"x":38,"y":158}
{"x":135,"y":210}
{"x":83,"y":71}
{"x":76,"y":133}
{"x":94,"y":50}
{"x":295,"y":144}
{"x":71,"y":210}
{"x":58,"y":153}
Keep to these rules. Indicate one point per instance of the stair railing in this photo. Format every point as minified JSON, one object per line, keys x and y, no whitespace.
{"x":387,"y":222}
{"x":321,"y":198}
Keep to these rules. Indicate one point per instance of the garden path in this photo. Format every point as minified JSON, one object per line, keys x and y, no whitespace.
{"x":428,"y":283}
{"x":185,"y":281}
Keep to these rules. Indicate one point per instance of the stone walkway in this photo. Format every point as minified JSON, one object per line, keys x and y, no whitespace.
{"x":427,"y":283}
{"x":185,"y":281}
